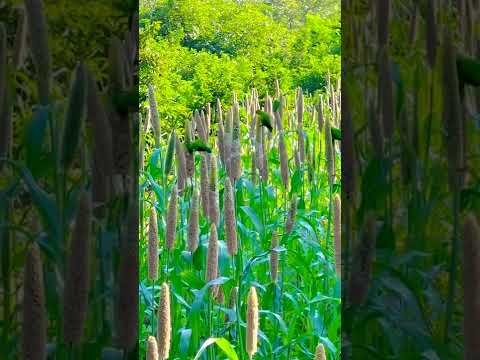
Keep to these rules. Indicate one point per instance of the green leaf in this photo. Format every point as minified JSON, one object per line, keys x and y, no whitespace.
{"x":34,"y":138}
{"x":321,"y":298}
{"x":297,"y":181}
{"x":44,"y":204}
{"x":197,"y":303}
{"x":276,"y":105}
{"x":253,"y":218}
{"x":328,"y":344}
{"x":277,"y":317}
{"x":223,"y":344}
{"x":154,"y":167}
{"x":185,"y":336}
{"x":198,"y":257}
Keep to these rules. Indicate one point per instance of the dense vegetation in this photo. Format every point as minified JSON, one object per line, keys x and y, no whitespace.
{"x":410,"y":109}
{"x":239,"y":181}
{"x":194,"y":52}
{"x":58,"y":287}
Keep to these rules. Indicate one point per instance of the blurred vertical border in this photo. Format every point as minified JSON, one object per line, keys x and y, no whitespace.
{"x":411,"y":186}
{"x":68,"y":179}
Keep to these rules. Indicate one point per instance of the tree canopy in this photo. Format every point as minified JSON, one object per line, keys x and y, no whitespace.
{"x":194,"y":51}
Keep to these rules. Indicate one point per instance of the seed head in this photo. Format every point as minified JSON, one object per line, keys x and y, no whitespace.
{"x":164,"y":328}
{"x":154,"y":115}
{"x":190,"y":163}
{"x":230,"y":220}
{"x":362,"y":262}
{"x":283,"y":160}
{"x":320,"y":114}
{"x":253,"y":122}
{"x":252,"y":322}
{"x":181,"y":166}
{"x":206,"y":122}
{"x":232,"y":303}
{"x":219,"y":112}
{"x":221,"y":141}
{"x":37,"y":28}
{"x":171,"y":231}
{"x":301,"y":145}
{"x":204,"y":185}
{"x":278,"y":116}
{"x":201,"y":130}
{"x":193,"y":228}
{"x":296,"y":157}
{"x":277,"y":89}
{"x":153,"y":245}
{"x":452,"y":114}
{"x":228,"y":142}
{"x":320,"y":352}
{"x":208,"y":116}
{"x":236,"y":165}
{"x":214,"y":211}
{"x":212,"y":257}
{"x":220,"y":297}
{"x":253,"y":169}
{"x":300,"y":107}
{"x":152,"y":348}
{"x":170,"y":152}
{"x":431,"y":35}
{"x":189,"y":156}
{"x":74,"y":116}
{"x":291,"y":215}
{"x":34,"y":325}
{"x":117,"y":64}
{"x":78,"y":280}
{"x":329,"y":154}
{"x":383,"y":15}
{"x":274,"y":258}
{"x":20,"y":40}
{"x":102,"y":136}
{"x":127,"y":289}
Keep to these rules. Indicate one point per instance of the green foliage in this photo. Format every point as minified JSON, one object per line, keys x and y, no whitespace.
{"x":194,"y":52}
